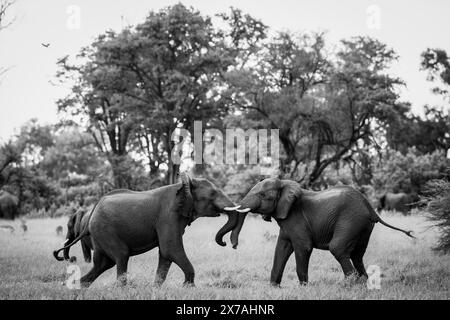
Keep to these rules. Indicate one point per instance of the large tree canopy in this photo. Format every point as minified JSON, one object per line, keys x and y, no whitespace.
{"x":139,"y":85}
{"x":324,"y":105}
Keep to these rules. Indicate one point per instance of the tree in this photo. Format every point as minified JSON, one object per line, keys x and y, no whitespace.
{"x":438,"y":198}
{"x":19,"y":165}
{"x":427,"y":133}
{"x":324,"y":108}
{"x":138,"y":86}
{"x":63,"y":157}
{"x":430,"y":132}
{"x":5,"y":5}
{"x":437,"y":63}
{"x":409,"y":172}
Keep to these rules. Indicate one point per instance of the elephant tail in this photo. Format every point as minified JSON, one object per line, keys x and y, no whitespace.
{"x":82,"y":234}
{"x":378,"y":219}
{"x":85,"y":231}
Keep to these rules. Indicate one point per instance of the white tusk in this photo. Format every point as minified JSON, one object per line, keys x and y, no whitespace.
{"x":231,"y":208}
{"x":67,"y":240}
{"x":244,"y":210}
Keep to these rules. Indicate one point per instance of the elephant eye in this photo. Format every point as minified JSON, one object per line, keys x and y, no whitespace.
{"x":262,"y":194}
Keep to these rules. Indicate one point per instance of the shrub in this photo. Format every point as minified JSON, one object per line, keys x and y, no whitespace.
{"x":437,"y":195}
{"x":408,"y":173}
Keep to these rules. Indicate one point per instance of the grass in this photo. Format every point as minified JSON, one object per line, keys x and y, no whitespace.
{"x":409,"y":268}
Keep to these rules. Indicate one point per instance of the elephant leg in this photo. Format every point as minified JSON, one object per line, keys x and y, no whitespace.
{"x":359,"y":250}
{"x":180,"y":258}
{"x":341,"y":252}
{"x":283,"y":251}
{"x":101,"y":263}
{"x":115,"y":248}
{"x":163,"y":269}
{"x":172,"y":248}
{"x":122,"y":266}
{"x":302,"y":256}
{"x":359,"y":265}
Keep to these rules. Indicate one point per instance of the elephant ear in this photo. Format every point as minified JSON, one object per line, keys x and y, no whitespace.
{"x":289,"y":192}
{"x":185,"y":201}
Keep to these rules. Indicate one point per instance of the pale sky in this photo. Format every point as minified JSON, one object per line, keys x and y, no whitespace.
{"x":25,"y":92}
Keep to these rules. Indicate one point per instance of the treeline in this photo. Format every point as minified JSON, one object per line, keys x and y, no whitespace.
{"x":336,"y":106}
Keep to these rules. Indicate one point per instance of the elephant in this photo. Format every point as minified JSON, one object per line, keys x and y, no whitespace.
{"x":127,"y":223}
{"x":401,"y":202}
{"x":76,"y":224}
{"x":9,"y":205}
{"x":339,"y":219}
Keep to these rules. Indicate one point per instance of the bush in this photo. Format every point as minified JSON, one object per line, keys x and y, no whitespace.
{"x":437,"y":194}
{"x":410,"y":172}
{"x":54,"y":212}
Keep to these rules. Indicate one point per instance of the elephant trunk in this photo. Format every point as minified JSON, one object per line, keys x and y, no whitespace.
{"x":237,"y":229}
{"x":231,"y":223}
{"x":249,"y":203}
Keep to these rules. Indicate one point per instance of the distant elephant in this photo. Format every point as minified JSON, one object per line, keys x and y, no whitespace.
{"x":129,"y":223}
{"x":9,"y":205}
{"x":339,"y":219}
{"x":76,"y":224}
{"x":397,"y":201}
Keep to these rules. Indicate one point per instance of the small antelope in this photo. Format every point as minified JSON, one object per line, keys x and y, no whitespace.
{"x":23,"y":225}
{"x":59,"y":230}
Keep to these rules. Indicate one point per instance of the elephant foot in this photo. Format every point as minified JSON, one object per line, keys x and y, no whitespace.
{"x":352,"y":279}
{"x":275,"y":284}
{"x":188,"y":284}
{"x":303,"y":283}
{"x":84,"y":284}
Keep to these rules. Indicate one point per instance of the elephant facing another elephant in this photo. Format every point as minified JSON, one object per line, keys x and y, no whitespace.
{"x":339,"y":219}
{"x":125,"y":223}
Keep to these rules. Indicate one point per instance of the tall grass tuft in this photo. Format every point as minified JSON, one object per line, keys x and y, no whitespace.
{"x":438,"y":197}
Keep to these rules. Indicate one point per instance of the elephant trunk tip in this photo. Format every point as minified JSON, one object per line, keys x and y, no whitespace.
{"x":220,"y":242}
{"x":410,"y":234}
{"x":55,"y":254}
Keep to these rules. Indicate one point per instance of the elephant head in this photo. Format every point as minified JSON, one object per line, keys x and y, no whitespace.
{"x":200,"y":198}
{"x":73,"y":230}
{"x":270,"y":197}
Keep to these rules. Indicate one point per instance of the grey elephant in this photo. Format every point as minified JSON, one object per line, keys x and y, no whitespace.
{"x":127,"y":223}
{"x":9,"y":205}
{"x":401,"y":201}
{"x":339,"y":219}
{"x":76,"y":224}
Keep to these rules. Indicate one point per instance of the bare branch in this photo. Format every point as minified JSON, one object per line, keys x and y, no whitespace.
{"x":5,"y":5}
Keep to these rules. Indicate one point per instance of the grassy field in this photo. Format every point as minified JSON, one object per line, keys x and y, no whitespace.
{"x":410,"y":270}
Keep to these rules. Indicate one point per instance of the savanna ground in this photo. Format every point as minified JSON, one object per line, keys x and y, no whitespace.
{"x":409,"y":268}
